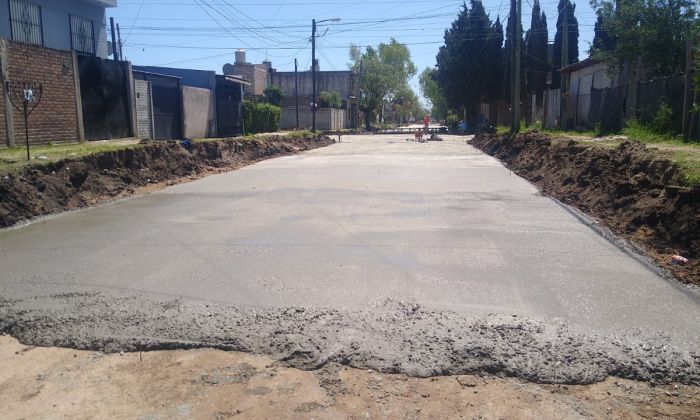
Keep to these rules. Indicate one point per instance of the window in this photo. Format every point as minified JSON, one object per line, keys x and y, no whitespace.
{"x":25,"y":20}
{"x":82,"y":35}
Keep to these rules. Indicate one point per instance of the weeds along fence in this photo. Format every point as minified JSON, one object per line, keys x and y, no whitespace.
{"x":657,"y":102}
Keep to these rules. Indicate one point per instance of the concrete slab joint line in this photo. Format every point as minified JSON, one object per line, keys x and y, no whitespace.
{"x":377,"y":252}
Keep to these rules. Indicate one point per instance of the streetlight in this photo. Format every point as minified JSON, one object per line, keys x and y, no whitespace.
{"x":313,"y":69}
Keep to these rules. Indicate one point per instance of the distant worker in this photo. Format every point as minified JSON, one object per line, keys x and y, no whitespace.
{"x":462,"y":127}
{"x":426,"y":124}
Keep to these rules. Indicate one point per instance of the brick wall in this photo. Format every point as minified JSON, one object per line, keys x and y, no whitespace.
{"x":56,"y":116}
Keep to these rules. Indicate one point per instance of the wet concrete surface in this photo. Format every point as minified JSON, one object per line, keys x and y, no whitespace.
{"x":342,"y":230}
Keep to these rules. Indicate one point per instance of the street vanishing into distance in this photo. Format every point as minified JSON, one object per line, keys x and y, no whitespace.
{"x":366,"y":251}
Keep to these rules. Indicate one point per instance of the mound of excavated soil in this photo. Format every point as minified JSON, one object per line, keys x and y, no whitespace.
{"x":74,"y":183}
{"x":629,"y":188}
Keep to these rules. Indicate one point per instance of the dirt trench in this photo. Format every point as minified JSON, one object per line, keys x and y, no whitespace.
{"x":43,"y":189}
{"x":630,"y":189}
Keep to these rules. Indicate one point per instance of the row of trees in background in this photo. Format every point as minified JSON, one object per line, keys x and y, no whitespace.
{"x":383,"y":75}
{"x":474,"y":65}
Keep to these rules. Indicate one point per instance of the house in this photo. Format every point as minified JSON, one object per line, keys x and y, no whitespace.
{"x":69,"y":25}
{"x":255,"y":74}
{"x":585,"y":82}
{"x":207,"y":104}
{"x":54,"y":43}
{"x":262,"y":75}
{"x":343,"y":82}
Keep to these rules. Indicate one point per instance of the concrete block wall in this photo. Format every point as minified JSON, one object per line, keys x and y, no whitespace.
{"x":56,"y":117}
{"x":326,"y":118}
{"x":144,"y":114}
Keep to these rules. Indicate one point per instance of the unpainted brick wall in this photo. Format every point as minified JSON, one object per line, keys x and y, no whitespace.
{"x":55,"y":119}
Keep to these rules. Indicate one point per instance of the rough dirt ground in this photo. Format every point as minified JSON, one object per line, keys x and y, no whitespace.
{"x":630,"y":189}
{"x":208,"y":384}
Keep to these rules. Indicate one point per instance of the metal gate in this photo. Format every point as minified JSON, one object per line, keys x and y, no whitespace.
{"x":165,"y":104}
{"x":103,"y":89}
{"x":229,"y":108}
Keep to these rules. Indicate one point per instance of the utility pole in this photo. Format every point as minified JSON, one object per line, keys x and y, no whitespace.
{"x":115,"y":50}
{"x":313,"y":75}
{"x":688,"y":91}
{"x":296,"y":89}
{"x":564,"y":62}
{"x":515,"y":91}
{"x":119,"y":42}
{"x":313,"y":67}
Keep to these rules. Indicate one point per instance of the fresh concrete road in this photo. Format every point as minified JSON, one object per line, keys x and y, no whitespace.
{"x":347,"y":226}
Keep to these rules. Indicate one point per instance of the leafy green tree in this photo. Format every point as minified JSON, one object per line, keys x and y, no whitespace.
{"x":655,"y":31}
{"x":403,"y":105}
{"x":566,"y":14}
{"x":537,"y":64}
{"x":432,"y":92}
{"x":330,"y":99}
{"x":383,"y":71}
{"x":273,"y":95}
{"x":468,"y":64}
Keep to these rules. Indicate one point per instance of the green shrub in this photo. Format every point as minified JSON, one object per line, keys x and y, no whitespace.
{"x":273,"y":95}
{"x":330,"y":99}
{"x":303,"y":134}
{"x":663,"y":121}
{"x":261,"y":118}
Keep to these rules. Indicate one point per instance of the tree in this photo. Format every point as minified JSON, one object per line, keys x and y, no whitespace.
{"x":495,"y":59}
{"x":654,"y":31}
{"x":537,"y":62}
{"x":273,"y":95}
{"x":602,"y":41}
{"x":330,"y":99}
{"x":403,"y":105}
{"x":566,"y":14}
{"x":432,"y":92}
{"x":468,"y":64}
{"x":383,"y":71}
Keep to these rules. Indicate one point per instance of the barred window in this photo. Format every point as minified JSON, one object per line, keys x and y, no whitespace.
{"x":25,"y":20}
{"x":82,"y":34}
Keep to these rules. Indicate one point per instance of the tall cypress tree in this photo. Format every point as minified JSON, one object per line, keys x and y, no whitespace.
{"x":602,"y":41}
{"x":450,"y":64}
{"x":494,"y":50}
{"x":536,"y":58}
{"x":566,"y":14}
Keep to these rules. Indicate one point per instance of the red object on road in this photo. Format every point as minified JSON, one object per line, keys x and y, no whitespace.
{"x":426,"y":120}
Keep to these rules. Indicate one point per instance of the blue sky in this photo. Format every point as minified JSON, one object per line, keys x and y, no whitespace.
{"x":203,"y":34}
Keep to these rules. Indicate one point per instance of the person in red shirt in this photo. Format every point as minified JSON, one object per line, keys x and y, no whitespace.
{"x":426,"y":123}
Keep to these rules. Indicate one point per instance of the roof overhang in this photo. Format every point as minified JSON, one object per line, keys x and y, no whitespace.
{"x":103,"y":3}
{"x":580,"y":65}
{"x":235,"y":79}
